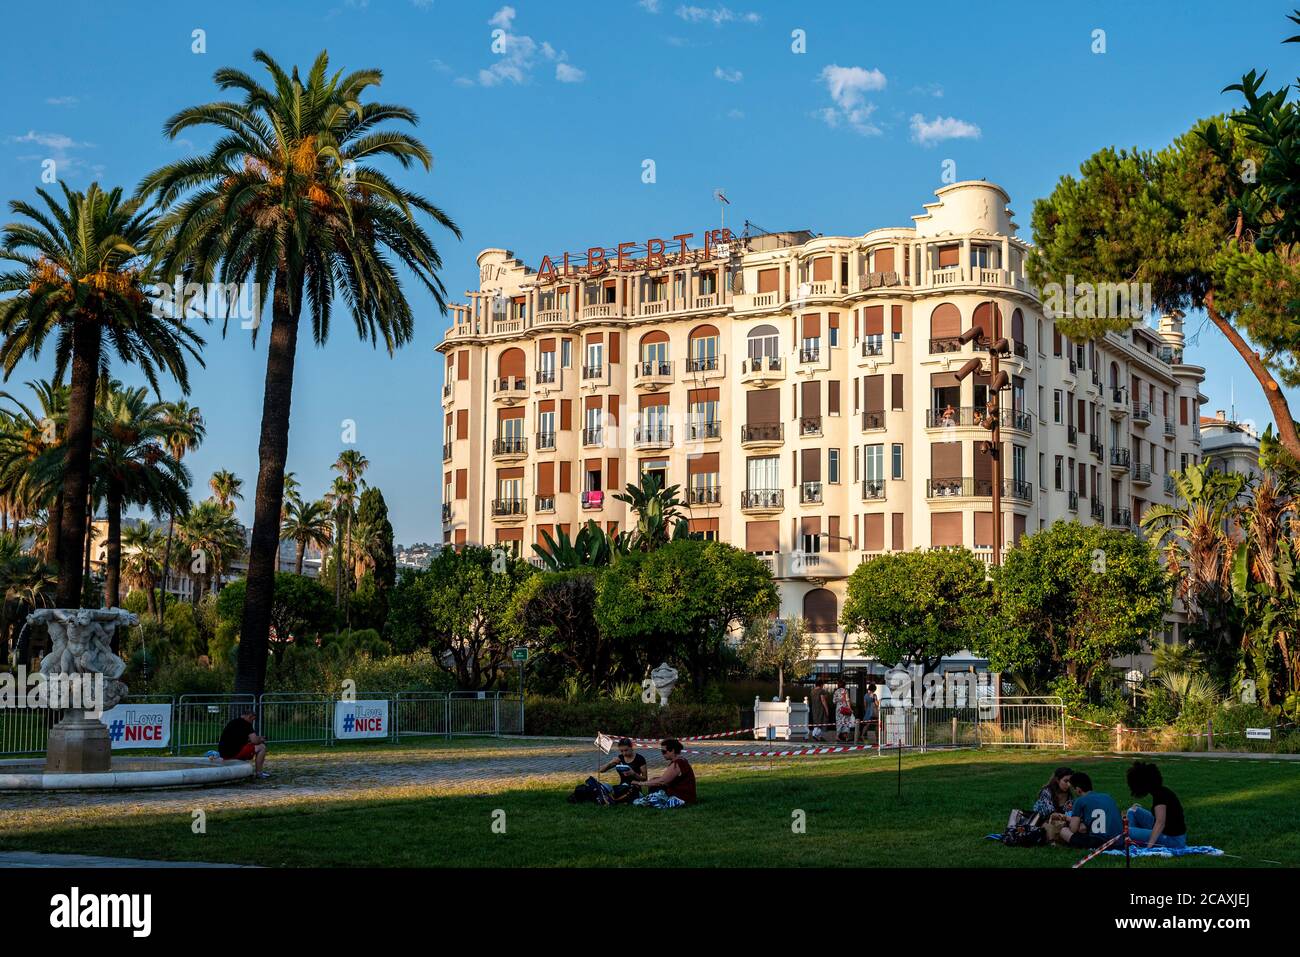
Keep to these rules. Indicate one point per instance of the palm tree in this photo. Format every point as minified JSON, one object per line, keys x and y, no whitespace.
{"x":132,"y":461}
{"x":288,"y":197}
{"x":143,"y":555}
{"x":306,"y":523}
{"x":187,"y":433}
{"x":658,"y":512}
{"x":81,"y":276}
{"x":31,"y":455}
{"x":591,"y":547}
{"x":342,"y":499}
{"x":217,"y":536}
{"x":226,"y":487}
{"x":26,"y":583}
{"x":291,"y":495}
{"x":351,"y":464}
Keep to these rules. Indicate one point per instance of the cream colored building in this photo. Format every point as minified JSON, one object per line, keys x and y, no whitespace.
{"x":802,"y":391}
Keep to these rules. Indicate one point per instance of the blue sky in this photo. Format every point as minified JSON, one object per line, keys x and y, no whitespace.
{"x":541,"y":149}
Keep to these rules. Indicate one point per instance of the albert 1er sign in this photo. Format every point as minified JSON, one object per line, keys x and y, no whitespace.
{"x":361,"y":719}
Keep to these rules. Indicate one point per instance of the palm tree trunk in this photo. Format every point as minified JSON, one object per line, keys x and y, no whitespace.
{"x":167,"y":564}
{"x":272,"y":453}
{"x":76,"y":462}
{"x":297,"y":562}
{"x":53,"y":520}
{"x":150,"y":602}
{"x":113,"y":549}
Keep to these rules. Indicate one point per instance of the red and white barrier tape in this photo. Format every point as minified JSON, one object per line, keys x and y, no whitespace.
{"x":723,"y":734}
{"x":1122,"y":836}
{"x":1123,"y":730}
{"x":791,"y":753}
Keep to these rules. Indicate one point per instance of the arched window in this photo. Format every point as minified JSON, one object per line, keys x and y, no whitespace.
{"x":1018,"y":327}
{"x":510,"y":364}
{"x":821,"y":610}
{"x":703,"y":348}
{"x":763,"y":341}
{"x":945,"y":325}
{"x":1114,"y":375}
{"x":988,"y":319}
{"x":654,"y":352}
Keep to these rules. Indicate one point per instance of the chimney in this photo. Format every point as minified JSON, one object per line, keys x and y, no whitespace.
{"x":1221,"y":415}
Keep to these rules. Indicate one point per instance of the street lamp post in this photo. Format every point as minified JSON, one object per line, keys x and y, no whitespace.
{"x":998,"y":381}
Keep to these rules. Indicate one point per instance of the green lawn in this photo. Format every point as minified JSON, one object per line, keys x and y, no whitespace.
{"x":853,"y":817}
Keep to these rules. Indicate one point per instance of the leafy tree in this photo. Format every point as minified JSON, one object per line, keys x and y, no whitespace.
{"x":682,"y":602}
{"x":786,"y":647}
{"x":1072,"y":597}
{"x":80,"y":274}
{"x":555,"y":614}
{"x":459,"y":608}
{"x":300,"y":612}
{"x":658,"y":512}
{"x":289,"y":197}
{"x":374,"y":540}
{"x":918,"y":607}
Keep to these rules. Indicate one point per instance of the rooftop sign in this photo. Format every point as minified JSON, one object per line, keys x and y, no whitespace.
{"x":630,"y":256}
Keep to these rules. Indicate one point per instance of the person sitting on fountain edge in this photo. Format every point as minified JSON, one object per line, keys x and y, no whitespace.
{"x":239,"y":742}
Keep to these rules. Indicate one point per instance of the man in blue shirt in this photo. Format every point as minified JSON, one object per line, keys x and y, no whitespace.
{"x":1094,"y":818}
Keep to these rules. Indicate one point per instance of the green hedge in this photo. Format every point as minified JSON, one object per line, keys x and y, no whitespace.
{"x":555,"y":716}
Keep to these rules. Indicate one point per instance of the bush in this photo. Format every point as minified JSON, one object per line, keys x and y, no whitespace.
{"x":186,"y":676}
{"x":556,"y":717}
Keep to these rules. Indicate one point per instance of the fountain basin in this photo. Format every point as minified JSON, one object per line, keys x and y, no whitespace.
{"x":125,"y":774}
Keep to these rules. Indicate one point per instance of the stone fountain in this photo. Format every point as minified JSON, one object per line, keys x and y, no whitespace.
{"x":78,"y":749}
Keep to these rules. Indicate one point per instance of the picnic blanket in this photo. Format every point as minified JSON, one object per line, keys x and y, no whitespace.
{"x":1157,"y":851}
{"x":660,"y":800}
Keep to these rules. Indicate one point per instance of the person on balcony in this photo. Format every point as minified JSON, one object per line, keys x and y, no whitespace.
{"x":949,"y":417}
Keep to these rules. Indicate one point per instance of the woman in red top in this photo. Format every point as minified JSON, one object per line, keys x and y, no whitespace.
{"x":678,"y":779}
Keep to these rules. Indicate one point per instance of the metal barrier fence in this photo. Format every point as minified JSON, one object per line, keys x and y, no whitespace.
{"x":1037,"y":722}
{"x":1023,"y":722}
{"x":293,"y":718}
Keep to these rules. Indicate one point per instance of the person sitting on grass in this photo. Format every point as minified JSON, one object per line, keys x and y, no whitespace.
{"x":1164,"y":824}
{"x":678,"y":779}
{"x":631,"y":768}
{"x":239,"y":742}
{"x":1054,"y":797}
{"x":1094,"y":816}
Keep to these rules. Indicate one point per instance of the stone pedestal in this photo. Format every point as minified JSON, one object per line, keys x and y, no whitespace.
{"x":78,"y":745}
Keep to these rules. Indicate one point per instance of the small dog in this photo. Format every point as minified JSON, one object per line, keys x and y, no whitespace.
{"x":1055,"y":824}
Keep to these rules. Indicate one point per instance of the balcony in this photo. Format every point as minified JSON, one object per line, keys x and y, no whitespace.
{"x":593,"y":372}
{"x":654,"y":307}
{"x":1170,"y":486}
{"x":703,"y":431}
{"x":1121,"y":518}
{"x":873,"y":346}
{"x":1074,"y":367}
{"x":446,"y":451}
{"x":509,"y":447}
{"x":1072,"y":434}
{"x":810,"y":493}
{"x":510,"y":389}
{"x":810,"y":425}
{"x":946,"y":344}
{"x":448,"y":393}
{"x":810,"y":355}
{"x":602,"y":310}
{"x":593,"y":437}
{"x":1169,"y":428}
{"x":1141,"y":474}
{"x":653,"y":373}
{"x":1020,"y":349}
{"x":704,"y":495}
{"x":1119,"y":406}
{"x":1098,"y":509}
{"x":756,"y":300}
{"x":873,"y":490}
{"x":1073,"y":502}
{"x":1015,"y":489}
{"x":706,"y":366}
{"x":815,"y":565}
{"x":446,"y":512}
{"x":1119,"y":459}
{"x":977,"y":417}
{"x":652,"y":436}
{"x":551,"y":317}
{"x":760,"y":370}
{"x":763,"y":433}
{"x":544,"y":503}
{"x":1141,"y":413}
{"x":593,"y":499}
{"x":1094,"y":443}
{"x":509,"y":508}
{"x":871,"y":421}
{"x":762,"y":500}
{"x":546,"y":378}
{"x":545,"y":441}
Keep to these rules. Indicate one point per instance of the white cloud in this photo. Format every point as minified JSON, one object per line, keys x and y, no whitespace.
{"x":735,"y":114}
{"x":848,"y":86}
{"x":519,"y":57}
{"x":728,"y":76}
{"x":929,"y":132}
{"x":649,"y":6}
{"x":58,"y":147}
{"x":51,"y":141}
{"x":716,"y":15}
{"x":61,"y":100}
